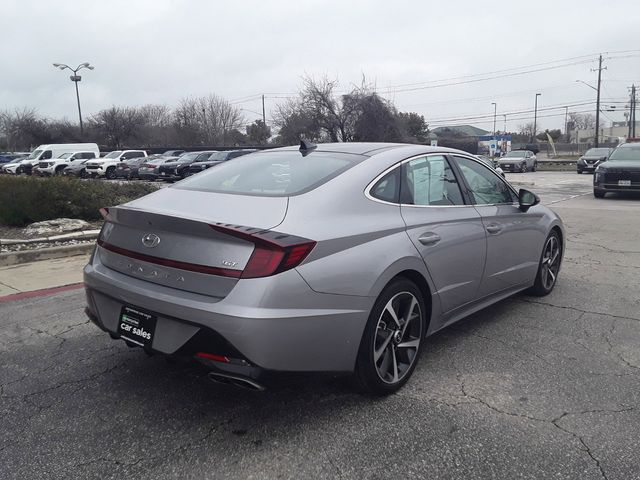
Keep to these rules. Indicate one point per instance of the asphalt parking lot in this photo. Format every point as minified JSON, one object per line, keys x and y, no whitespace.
{"x":529,"y":388}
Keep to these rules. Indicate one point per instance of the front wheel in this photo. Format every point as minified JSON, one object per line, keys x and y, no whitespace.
{"x":598,"y":193}
{"x":392,"y":339}
{"x":535,"y":167}
{"x":523,"y":168}
{"x":111,"y":173}
{"x":549,"y":266}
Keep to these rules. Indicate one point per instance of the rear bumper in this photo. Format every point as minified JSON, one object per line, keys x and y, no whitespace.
{"x":301,"y":330}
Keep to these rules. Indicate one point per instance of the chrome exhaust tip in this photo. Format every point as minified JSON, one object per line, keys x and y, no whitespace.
{"x":236,"y":381}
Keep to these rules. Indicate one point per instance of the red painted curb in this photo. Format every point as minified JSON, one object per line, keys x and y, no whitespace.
{"x":40,"y":293}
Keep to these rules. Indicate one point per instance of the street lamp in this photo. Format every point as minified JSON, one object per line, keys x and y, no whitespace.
{"x":75,"y":78}
{"x":495,"y":109}
{"x":535,"y":118}
{"x":597,"y":135}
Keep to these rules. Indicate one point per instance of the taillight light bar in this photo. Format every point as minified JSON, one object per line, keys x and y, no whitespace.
{"x":274,"y":252}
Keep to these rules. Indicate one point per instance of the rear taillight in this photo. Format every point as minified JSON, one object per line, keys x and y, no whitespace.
{"x":274,"y":252}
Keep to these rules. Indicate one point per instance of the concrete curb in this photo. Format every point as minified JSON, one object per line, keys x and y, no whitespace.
{"x":86,"y":234}
{"x":27,"y":256}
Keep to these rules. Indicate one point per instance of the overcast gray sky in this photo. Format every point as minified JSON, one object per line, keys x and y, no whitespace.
{"x":157,"y":51}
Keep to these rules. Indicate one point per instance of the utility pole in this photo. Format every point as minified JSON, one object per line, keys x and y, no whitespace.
{"x":264,"y":117}
{"x":566,"y":128}
{"x":600,"y":68}
{"x":633,"y":116}
{"x":505,"y":122}
{"x":495,"y":109}
{"x":631,"y":99}
{"x":535,"y":118}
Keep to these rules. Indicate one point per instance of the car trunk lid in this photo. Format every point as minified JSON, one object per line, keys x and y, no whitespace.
{"x":166,"y":238}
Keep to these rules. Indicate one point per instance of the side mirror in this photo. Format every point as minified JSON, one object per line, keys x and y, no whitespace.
{"x":527,"y":199}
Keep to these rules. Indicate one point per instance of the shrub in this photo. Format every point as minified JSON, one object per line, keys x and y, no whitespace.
{"x":25,"y":200}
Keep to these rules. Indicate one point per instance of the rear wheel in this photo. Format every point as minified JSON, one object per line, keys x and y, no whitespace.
{"x":549,"y":266}
{"x":392,"y":339}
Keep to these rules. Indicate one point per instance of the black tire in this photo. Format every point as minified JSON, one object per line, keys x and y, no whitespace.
{"x":401,"y":291}
{"x":598,"y":193}
{"x":542,"y":286}
{"x":59,"y":170}
{"x":535,"y":167}
{"x":523,"y":168}
{"x":83,"y":174}
{"x":110,"y":173}
{"x":579,"y":172}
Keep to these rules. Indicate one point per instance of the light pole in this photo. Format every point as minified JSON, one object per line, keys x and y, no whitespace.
{"x":75,"y":78}
{"x":597,"y":107}
{"x":495,"y":109}
{"x":535,"y":118}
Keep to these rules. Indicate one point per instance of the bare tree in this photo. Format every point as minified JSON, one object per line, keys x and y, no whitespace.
{"x":207,"y":120}
{"x":526,"y":129}
{"x":117,"y":126}
{"x":582,"y":121}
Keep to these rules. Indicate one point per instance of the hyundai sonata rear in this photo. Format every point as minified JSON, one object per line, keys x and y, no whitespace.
{"x":338,"y":257}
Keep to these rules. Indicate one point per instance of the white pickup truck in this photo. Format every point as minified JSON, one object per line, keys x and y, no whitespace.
{"x":106,"y":166}
{"x":56,"y":165}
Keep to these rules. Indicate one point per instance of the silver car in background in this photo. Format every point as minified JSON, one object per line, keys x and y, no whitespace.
{"x":343,"y":264}
{"x":519,"y":161}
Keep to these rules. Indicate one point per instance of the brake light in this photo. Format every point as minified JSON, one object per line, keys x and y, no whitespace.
{"x":274,"y":252}
{"x":104,"y":211}
{"x":212,"y":356}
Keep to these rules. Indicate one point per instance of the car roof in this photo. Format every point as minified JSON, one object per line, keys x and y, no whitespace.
{"x":369,"y":148}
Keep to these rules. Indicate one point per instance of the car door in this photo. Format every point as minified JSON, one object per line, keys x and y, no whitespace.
{"x":448,"y":233}
{"x":512,"y":235}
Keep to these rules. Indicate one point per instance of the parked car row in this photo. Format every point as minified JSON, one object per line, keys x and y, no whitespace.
{"x":84,"y":161}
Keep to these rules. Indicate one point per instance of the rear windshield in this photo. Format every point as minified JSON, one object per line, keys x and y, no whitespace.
{"x":626,"y":153}
{"x":597,"y":152}
{"x":272,"y":174}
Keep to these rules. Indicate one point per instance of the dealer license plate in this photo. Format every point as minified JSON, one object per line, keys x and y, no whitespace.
{"x":624,"y":183}
{"x":137,"y":326}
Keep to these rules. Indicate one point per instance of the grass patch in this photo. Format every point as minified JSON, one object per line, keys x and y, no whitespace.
{"x":24,"y":200}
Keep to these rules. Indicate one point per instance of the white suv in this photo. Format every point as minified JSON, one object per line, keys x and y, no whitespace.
{"x":106,"y":166}
{"x":56,"y":165}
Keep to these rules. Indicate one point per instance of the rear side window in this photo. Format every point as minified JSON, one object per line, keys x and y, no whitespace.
{"x":429,"y":181}
{"x":273,"y":174}
{"x":387,"y":188}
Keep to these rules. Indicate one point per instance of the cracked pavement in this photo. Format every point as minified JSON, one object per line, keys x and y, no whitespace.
{"x":529,"y":388}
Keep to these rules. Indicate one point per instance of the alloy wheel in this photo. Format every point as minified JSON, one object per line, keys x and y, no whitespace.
{"x":397,"y":338}
{"x":550,"y":262}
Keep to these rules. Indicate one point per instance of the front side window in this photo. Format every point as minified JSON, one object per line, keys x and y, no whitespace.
{"x":487,"y":187}
{"x":114,"y":154}
{"x":46,"y":155}
{"x":429,"y":181}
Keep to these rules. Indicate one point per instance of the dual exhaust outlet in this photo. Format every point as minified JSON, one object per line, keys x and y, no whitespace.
{"x":237,"y":381}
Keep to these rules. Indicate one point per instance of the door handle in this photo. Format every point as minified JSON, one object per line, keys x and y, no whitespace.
{"x":429,"y":238}
{"x":494,"y":228}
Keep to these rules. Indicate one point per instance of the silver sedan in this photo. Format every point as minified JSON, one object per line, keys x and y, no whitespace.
{"x":331,"y":257}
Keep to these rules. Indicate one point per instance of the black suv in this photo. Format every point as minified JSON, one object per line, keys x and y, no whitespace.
{"x":177,"y":169}
{"x":620,"y":173}
{"x":592,"y":158}
{"x":217,"y":158}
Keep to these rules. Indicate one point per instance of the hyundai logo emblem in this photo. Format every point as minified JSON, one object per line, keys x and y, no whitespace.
{"x":151,"y":240}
